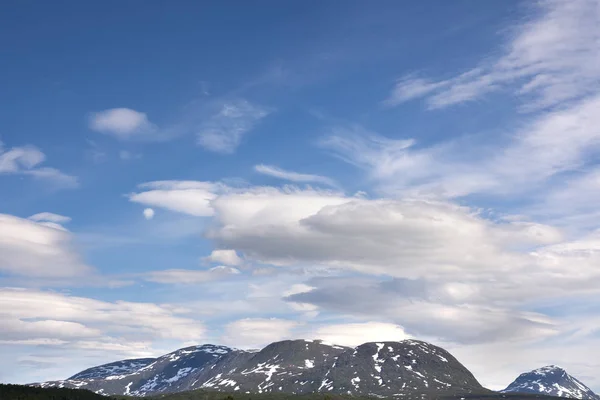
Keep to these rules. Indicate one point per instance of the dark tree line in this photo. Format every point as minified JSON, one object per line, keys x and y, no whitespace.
{"x":20,"y":392}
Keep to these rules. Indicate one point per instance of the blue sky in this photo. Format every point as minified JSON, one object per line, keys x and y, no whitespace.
{"x":228,"y":172}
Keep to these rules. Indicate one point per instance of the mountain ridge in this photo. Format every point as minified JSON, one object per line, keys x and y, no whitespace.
{"x":404,"y":369}
{"x":551,"y":380}
{"x":290,"y":366}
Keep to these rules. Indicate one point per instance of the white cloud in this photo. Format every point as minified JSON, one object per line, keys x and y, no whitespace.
{"x":148,"y":213}
{"x":72,"y":333}
{"x":398,"y":238}
{"x":186,"y":276}
{"x":49,"y":217}
{"x":297,"y":289}
{"x":512,"y":358}
{"x":257,"y":332}
{"x":224,"y":256}
{"x":18,"y":330}
{"x":219,"y":125}
{"x":26,"y":160}
{"x":555,"y":143}
{"x":223,"y":131}
{"x":124,"y":124}
{"x":354,"y":334}
{"x":244,"y":297}
{"x":53,"y":175}
{"x":429,"y":309}
{"x":189,"y":197}
{"x":385,"y":159}
{"x":293,"y":176}
{"x":478,"y":272}
{"x":48,"y":315}
{"x":549,"y":145}
{"x":265,"y":206}
{"x":34,"y":249}
{"x":503,"y":264}
{"x":196,"y":197}
{"x":20,"y":158}
{"x":310,"y":310}
{"x":570,"y":202}
{"x":411,"y":87}
{"x":550,"y":59}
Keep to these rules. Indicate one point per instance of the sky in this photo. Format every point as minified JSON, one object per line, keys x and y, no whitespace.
{"x":178,"y":173}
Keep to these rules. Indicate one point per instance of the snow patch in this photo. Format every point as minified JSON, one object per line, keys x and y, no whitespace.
{"x":128,"y":388}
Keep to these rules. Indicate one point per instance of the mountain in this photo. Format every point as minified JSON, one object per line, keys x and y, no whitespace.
{"x":389,"y":368}
{"x":143,"y":376}
{"x":551,"y":380}
{"x":293,"y":366}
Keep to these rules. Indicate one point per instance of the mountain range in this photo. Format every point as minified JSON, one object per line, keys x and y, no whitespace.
{"x":407,"y":369}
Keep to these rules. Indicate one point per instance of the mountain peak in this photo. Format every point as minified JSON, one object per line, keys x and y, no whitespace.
{"x":551,"y":380}
{"x":548,"y":368}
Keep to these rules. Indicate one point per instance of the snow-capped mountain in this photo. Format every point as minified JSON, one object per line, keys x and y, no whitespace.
{"x":124,"y":367}
{"x":388,"y":368}
{"x":551,"y":380}
{"x":293,"y":366}
{"x":143,"y":376}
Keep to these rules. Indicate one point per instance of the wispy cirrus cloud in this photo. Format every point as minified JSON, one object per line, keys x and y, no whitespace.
{"x":549,"y":60}
{"x":190,"y":277}
{"x":548,"y":145}
{"x":223,"y":131}
{"x":50,"y":217}
{"x":292,"y":176}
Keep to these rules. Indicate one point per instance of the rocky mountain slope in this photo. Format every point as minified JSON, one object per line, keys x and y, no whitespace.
{"x":551,"y":380}
{"x":116,"y":368}
{"x":292,"y":366}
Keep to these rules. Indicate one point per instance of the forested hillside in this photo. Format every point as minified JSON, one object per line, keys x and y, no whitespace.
{"x":20,"y":392}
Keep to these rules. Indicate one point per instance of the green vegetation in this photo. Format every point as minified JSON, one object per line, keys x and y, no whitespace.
{"x":20,"y":392}
{"x":205,"y":395}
